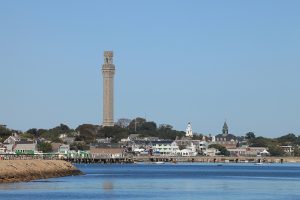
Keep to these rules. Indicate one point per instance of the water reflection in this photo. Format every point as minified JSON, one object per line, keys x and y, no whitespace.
{"x":165,"y":182}
{"x":107,"y":185}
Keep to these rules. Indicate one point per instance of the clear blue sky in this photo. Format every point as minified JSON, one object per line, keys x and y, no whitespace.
{"x":176,"y":61}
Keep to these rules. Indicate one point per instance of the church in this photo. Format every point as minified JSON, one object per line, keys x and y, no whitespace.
{"x":225,"y":139}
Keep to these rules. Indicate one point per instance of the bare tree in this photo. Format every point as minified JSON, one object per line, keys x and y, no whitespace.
{"x":123,"y":122}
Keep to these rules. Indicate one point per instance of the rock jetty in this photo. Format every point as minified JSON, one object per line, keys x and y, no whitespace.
{"x":28,"y":170}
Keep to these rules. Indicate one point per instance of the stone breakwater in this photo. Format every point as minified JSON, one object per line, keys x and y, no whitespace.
{"x":28,"y":170}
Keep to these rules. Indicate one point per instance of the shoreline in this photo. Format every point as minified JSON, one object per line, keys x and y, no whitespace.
{"x":222,"y":159}
{"x":174,"y":159}
{"x":27,"y":170}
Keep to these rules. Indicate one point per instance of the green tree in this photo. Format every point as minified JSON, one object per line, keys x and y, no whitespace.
{"x":150,"y":126}
{"x":222,"y":149}
{"x":165,"y":127}
{"x":250,"y":136}
{"x":276,"y":150}
{"x":197,"y":136}
{"x":44,"y":147}
{"x":123,"y":122}
{"x":33,"y":131}
{"x":27,"y":136}
{"x":259,"y":142}
{"x":79,"y":146}
{"x":4,"y":133}
{"x":288,"y":139}
{"x":296,"y":151}
{"x":136,"y":124}
{"x":116,"y":133}
{"x":297,"y":142}
{"x":41,"y":131}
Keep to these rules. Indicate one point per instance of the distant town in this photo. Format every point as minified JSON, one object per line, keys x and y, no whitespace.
{"x":129,"y":138}
{"x":139,"y":137}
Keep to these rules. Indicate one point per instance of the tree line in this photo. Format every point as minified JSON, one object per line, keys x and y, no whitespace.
{"x":86,"y":134}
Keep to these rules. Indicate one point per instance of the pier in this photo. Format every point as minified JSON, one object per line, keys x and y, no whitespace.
{"x":176,"y":159}
{"x":106,"y":159}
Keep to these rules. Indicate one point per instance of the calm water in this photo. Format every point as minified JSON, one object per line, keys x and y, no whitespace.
{"x":163,"y":182}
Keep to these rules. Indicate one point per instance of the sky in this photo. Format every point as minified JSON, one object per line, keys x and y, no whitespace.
{"x":176,"y":62}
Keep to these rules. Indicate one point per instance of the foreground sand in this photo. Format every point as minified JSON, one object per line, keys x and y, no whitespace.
{"x":27,"y":170}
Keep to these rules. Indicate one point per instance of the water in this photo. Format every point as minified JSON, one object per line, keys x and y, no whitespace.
{"x":164,"y":182}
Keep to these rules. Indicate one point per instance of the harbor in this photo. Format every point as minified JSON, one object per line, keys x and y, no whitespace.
{"x":109,"y":159}
{"x":165,"y":159}
{"x":191,"y":181}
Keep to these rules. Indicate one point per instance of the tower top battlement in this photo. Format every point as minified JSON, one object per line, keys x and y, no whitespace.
{"x":108,"y":57}
{"x":108,"y":54}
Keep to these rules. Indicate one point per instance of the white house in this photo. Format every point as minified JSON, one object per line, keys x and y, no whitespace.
{"x":211,"y":152}
{"x":12,"y":139}
{"x":165,"y":148}
{"x":25,"y":148}
{"x":186,"y":152}
{"x":203,"y":145}
{"x":64,"y":149}
{"x":289,"y":150}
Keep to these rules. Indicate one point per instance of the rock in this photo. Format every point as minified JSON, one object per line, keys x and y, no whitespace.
{"x":28,"y":170}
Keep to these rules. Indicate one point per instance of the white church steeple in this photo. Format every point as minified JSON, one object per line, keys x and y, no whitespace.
{"x":189,"y":132}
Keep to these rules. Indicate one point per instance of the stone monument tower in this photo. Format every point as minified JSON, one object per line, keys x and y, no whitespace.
{"x":108,"y":72}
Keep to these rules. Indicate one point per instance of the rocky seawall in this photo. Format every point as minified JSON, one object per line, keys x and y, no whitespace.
{"x":28,"y":170}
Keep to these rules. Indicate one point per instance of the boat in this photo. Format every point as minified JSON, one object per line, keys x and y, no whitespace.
{"x":160,"y":162}
{"x":258,"y":164}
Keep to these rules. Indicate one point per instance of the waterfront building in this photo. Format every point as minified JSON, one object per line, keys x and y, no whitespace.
{"x":25,"y":147}
{"x":106,"y":152}
{"x":211,"y":152}
{"x":139,"y":144}
{"x":186,"y":153}
{"x":77,"y":154}
{"x":264,"y":153}
{"x":289,"y":150}
{"x":203,"y":146}
{"x":14,"y":144}
{"x":83,"y":154}
{"x":108,"y":72}
{"x":186,"y":142}
{"x":248,"y":151}
{"x":165,"y":147}
{"x":64,"y":149}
